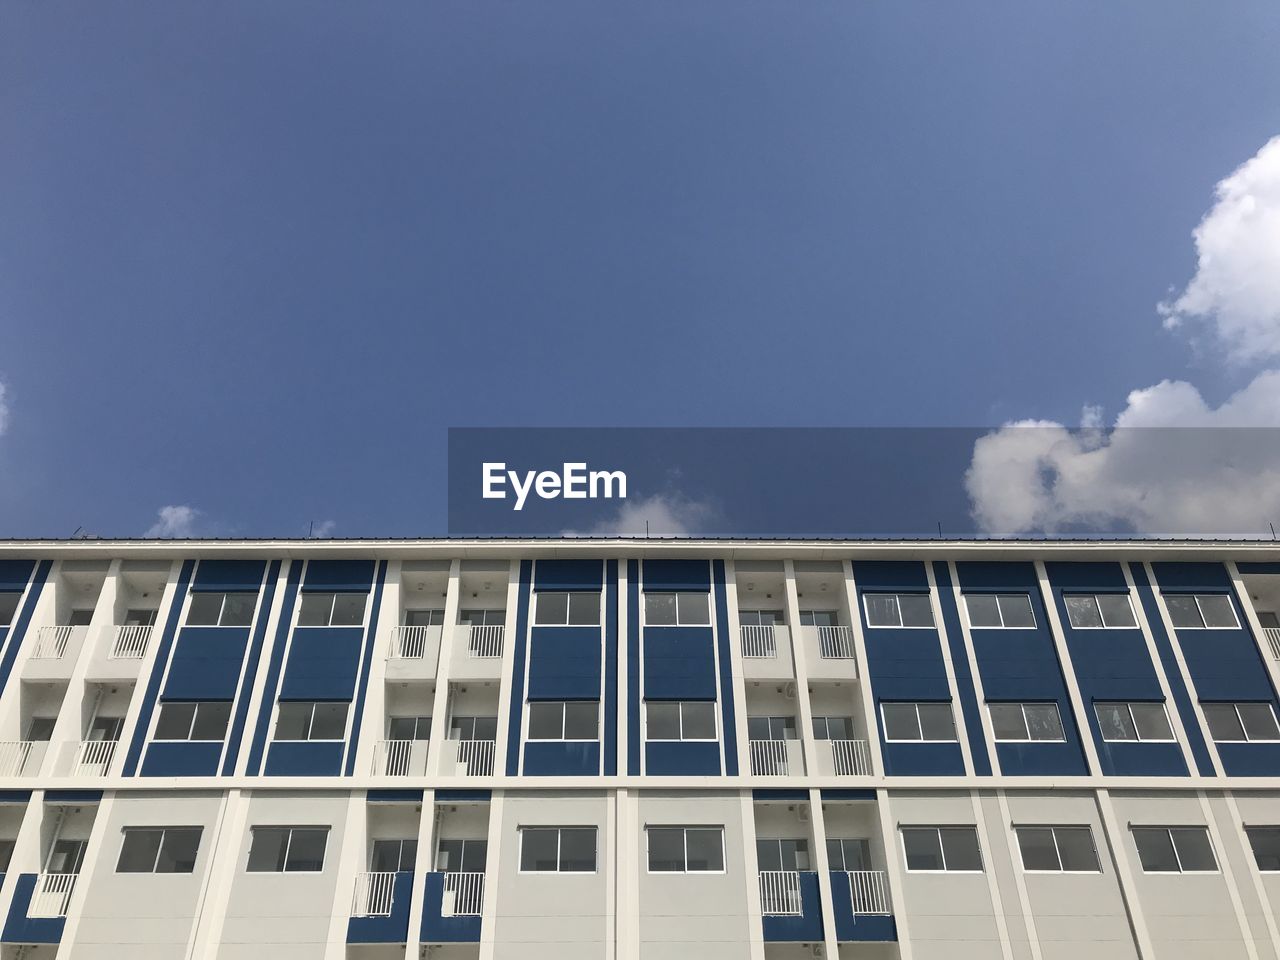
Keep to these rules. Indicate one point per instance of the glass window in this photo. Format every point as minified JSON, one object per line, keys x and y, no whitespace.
{"x":1026,"y":721}
{"x":409,"y":728}
{"x":1098,"y":611}
{"x":771,"y":728}
{"x":204,"y":720}
{"x":660,"y":609}
{"x":174,"y":721}
{"x":205,"y":609}
{"x":473,"y":728}
{"x":761,"y":618}
{"x":564,"y":720}
{"x":816,"y":618}
{"x":462,"y":856}
{"x":680,"y":720}
{"x":423,"y":618}
{"x":688,"y":608}
{"x":221,"y":609}
{"x":849,"y":854}
{"x":1201,"y":611}
{"x":918,"y":721}
{"x":833,"y":728}
{"x":311,"y":720}
{"x":558,"y":849}
{"x":1133,"y":721}
{"x":685,"y":849}
{"x":1230,"y":722}
{"x":898,"y":610}
{"x":67,"y":856}
{"x":332,"y":609}
{"x":393,"y":856}
{"x":139,"y":850}
{"x":8,"y":606}
{"x":1266,"y":847}
{"x":1058,"y":849}
{"x":1007,"y":611}
{"x":578,"y":609}
{"x":287,"y":849}
{"x":953,"y":849}
{"x":6,"y":854}
{"x":984,"y":611}
{"x":40,"y":729}
{"x":786,"y":853}
{"x":693,"y":608}
{"x":1174,"y":849}
{"x":551,"y":608}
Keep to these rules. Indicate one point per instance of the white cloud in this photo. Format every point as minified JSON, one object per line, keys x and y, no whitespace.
{"x":662,"y":515}
{"x":175,"y":522}
{"x":323,"y":528}
{"x":4,"y":409}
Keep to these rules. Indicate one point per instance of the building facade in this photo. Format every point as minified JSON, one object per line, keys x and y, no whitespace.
{"x":639,"y":750}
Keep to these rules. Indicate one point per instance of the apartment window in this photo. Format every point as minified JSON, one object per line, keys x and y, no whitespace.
{"x":473,"y":728}
{"x":898,"y":609}
{"x":1013,"y":722}
{"x":1000,"y":611}
{"x":1175,"y":849}
{"x":785,"y":853}
{"x":1232,"y":722}
{"x":942,"y":849}
{"x":193,"y":720}
{"x":287,"y":849}
{"x":1090,"y":611}
{"x":311,"y":720}
{"x":140,"y":617}
{"x":680,"y":720}
{"x":557,"y":849}
{"x":833,"y":728}
{"x":567,"y":609}
{"x":40,"y":729}
{"x":66,"y":856}
{"x":393,"y":856}
{"x":1133,"y":721}
{"x":685,"y":849}
{"x":819,"y":618}
{"x":409,"y":728}
{"x":159,"y":850}
{"x":918,"y":721}
{"x":484,"y":618}
{"x":677,"y":609}
{"x":850,"y":854}
{"x":221,"y":609}
{"x":771,"y":728}
{"x":564,"y":720}
{"x":1266,"y":847}
{"x":6,"y":854}
{"x":761,"y":618}
{"x":462,"y":856}
{"x":1058,"y":849}
{"x":8,"y":606}
{"x":1201,"y":611}
{"x":424,"y":618}
{"x":1267,"y":619}
{"x":332,"y":609}
{"x":105,"y":728}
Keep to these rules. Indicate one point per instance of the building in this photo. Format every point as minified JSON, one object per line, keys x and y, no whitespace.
{"x":639,"y":750}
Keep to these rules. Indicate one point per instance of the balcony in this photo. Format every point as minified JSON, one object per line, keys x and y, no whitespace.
{"x":52,"y":643}
{"x":849,"y":758}
{"x":470,"y":758}
{"x":485,"y":642}
{"x":413,"y":643}
{"x":452,"y":907}
{"x":463,"y":895}
{"x":776,"y":758}
{"x":759,"y":642}
{"x":374,"y":895}
{"x":52,"y":895}
{"x":790,"y":906}
{"x":92,"y":758}
{"x":380,"y":907}
{"x":868,"y":892}
{"x":129,"y":642}
{"x":780,"y":893}
{"x":20,"y":758}
{"x":863,"y":911}
{"x":400,"y":758}
{"x":1273,"y":640}
{"x":833,"y":643}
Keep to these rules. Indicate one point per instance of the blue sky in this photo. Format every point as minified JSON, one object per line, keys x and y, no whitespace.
{"x":256,"y":258}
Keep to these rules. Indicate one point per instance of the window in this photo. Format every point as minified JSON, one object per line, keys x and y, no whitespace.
{"x":771,"y":728}
{"x":557,"y":849}
{"x":1175,"y":849}
{"x":833,"y":728}
{"x":80,"y":617}
{"x":1026,"y":721}
{"x":1001,"y":611}
{"x":409,"y":728}
{"x":308,"y":720}
{"x":1058,"y":849}
{"x":1087,"y":611}
{"x":8,"y":606}
{"x":564,"y":720}
{"x":1267,"y":619}
{"x":819,"y":618}
{"x":782,"y":854}
{"x":761,"y":618}
{"x":849,"y":854}
{"x":1133,"y":721}
{"x":159,"y":850}
{"x":685,"y":849}
{"x":66,"y":856}
{"x":484,"y":618}
{"x":1266,"y":847}
{"x":1201,"y":611}
{"x":6,"y":854}
{"x":918,"y":721}
{"x":677,"y":609}
{"x":332,"y":609}
{"x":680,"y":720}
{"x":287,"y":849}
{"x":898,"y":609}
{"x":40,"y":729}
{"x":462,"y":856}
{"x":1230,"y":722}
{"x":140,"y":617}
{"x":567,"y":609}
{"x":424,"y":618}
{"x":950,"y":849}
{"x":393,"y":856}
{"x":473,"y":728}
{"x":105,"y":728}
{"x":221,"y":609}
{"x":202,"y":720}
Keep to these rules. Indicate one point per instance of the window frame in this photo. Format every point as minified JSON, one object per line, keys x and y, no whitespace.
{"x":333,"y":605}
{"x":222,"y":607}
{"x":559,"y":828}
{"x":195,"y":715}
{"x":1204,"y":625}
{"x":311,"y":720}
{"x":884,"y":724}
{"x":1235,"y":706}
{"x":1169,"y":828}
{"x":163,"y":831}
{"x":675,"y":594}
{"x":1053,"y":828}
{"x":938,"y":828}
{"x":1000,"y":610}
{"x":568,"y":608}
{"x":1022,"y":705}
{"x":897,"y":603}
{"x":1094,"y":596}
{"x":17,"y":605}
{"x":564,"y":713}
{"x":684,"y":829}
{"x":1128,"y":705}
{"x":325,"y":828}
{"x":680,"y":705}
{"x":1249,"y":830}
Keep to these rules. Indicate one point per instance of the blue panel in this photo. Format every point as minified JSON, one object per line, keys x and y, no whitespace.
{"x":152,"y":693}
{"x":72,"y":796}
{"x":1090,"y":577}
{"x":679,"y":663}
{"x":229,"y":576}
{"x":727,"y":710}
{"x":806,"y":927}
{"x":983,"y":576}
{"x":564,"y":663}
{"x":389,"y":929}
{"x":18,"y":629}
{"x":551,"y":758}
{"x":1250,"y":759}
{"x":1192,"y":577}
{"x":463,"y":796}
{"x":322,"y":663}
{"x":922,"y":759}
{"x":1225,"y":665}
{"x":19,"y":928}
{"x":182,"y":759}
{"x":15,"y":796}
{"x":780,"y":795}
{"x":1044,"y":758}
{"x":14,"y":575}
{"x":874,"y":576}
{"x":250,"y":673}
{"x":851,"y":928}
{"x":693,"y":575}
{"x":848,"y":795}
{"x":273,"y":670}
{"x":964,"y":675}
{"x":568,"y":575}
{"x":342,"y":576}
{"x":633,"y":667}
{"x":611,"y":670}
{"x":394,"y":796}
{"x":516,"y":715}
{"x":437,"y":928}
{"x":673,"y":758}
{"x":1269,"y":568}
{"x":362,"y":687}
{"x":301,"y":758}
{"x":206,"y":663}
{"x":1136,"y":759}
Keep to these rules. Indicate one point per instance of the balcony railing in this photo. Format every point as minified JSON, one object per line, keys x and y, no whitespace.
{"x":780,"y":893}
{"x":410,"y":643}
{"x":129,"y":643}
{"x":463,"y":895}
{"x":400,"y":758}
{"x":374,"y":895}
{"x":52,"y":895}
{"x":93,"y":758}
{"x":835,"y":643}
{"x":773,"y":758}
{"x":16,"y":757}
{"x":52,"y":642}
{"x":485,"y":642}
{"x":869,"y":892}
{"x":851,"y":758}
{"x":475,"y":758}
{"x":1273,"y":638}
{"x":759,"y":641}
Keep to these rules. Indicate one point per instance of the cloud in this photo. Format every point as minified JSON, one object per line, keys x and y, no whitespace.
{"x":177,"y":522}
{"x":4,"y":409}
{"x":662,"y":515}
{"x":323,"y":528}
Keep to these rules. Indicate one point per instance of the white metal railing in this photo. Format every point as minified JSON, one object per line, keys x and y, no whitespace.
{"x":15,"y":755}
{"x":52,"y":895}
{"x":485,"y":641}
{"x":409,"y":643}
{"x":759,"y":641}
{"x":835,"y":643}
{"x":463,"y":895}
{"x":1273,"y":638}
{"x":869,"y":891}
{"x":476,"y":757}
{"x":93,"y":758}
{"x":771,"y":758}
{"x":52,"y":642}
{"x":130,"y":643}
{"x":400,"y":758}
{"x":374,"y":896}
{"x":851,"y":758}
{"x":780,"y":893}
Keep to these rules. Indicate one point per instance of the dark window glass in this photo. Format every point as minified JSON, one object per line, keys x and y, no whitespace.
{"x":178,"y":850}
{"x":1043,"y":721}
{"x":983,"y":610}
{"x":1259,"y":721}
{"x":916,"y":609}
{"x":936,"y":722}
{"x":960,"y":848}
{"x":237,"y":611}
{"x":923,"y":847}
{"x":578,"y":849}
{"x":315,"y":610}
{"x":1115,"y":722}
{"x":1007,"y":721}
{"x":1195,"y":852}
{"x":546,"y":721}
{"x":1155,"y":849}
{"x":293,"y":721}
{"x":1116,"y":610}
{"x":1218,"y":611}
{"x":329,"y":721}
{"x":1038,"y":849}
{"x":174,"y":722}
{"x":1183,"y":611}
{"x":348,"y":610}
{"x":882,"y":610}
{"x":1266,"y":847}
{"x":663,"y":720}
{"x":267,"y":847}
{"x":423,"y":618}
{"x":698,"y":720}
{"x":1083,"y":612}
{"x":1076,"y":850}
{"x":705,"y":849}
{"x":1224,"y":723}
{"x":660,"y":609}
{"x":211,"y":720}
{"x":552,"y":608}
{"x":40,"y":728}
{"x":139,"y":850}
{"x":6,"y":854}
{"x":1150,"y":721}
{"x":849,"y":854}
{"x":666,"y":849}
{"x":205,"y":609}
{"x":539,"y":849}
{"x":8,"y":606}
{"x":693,"y":608}
{"x":1015,"y":611}
{"x":306,"y":850}
{"x":901,"y":722}
{"x":581,"y":719}
{"x":584,"y":609}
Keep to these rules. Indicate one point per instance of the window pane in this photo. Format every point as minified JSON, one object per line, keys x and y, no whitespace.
{"x":1259,"y":721}
{"x":348,"y":610}
{"x":923,"y":848}
{"x":581,"y":720}
{"x":538,"y":849}
{"x":204,"y":609}
{"x":211,"y":720}
{"x":1075,"y":847}
{"x":816,"y":618}
{"x":1038,"y":850}
{"x":960,"y":848}
{"x":916,"y":609}
{"x":1015,"y":609}
{"x":1224,"y":725}
{"x":293,"y":721}
{"x":1266,"y":846}
{"x":1195,"y":852}
{"x":900,"y":721}
{"x":768,"y":855}
{"x":423,"y":618}
{"x":386,"y":856}
{"x":835,"y":728}
{"x":983,"y":610}
{"x":546,"y":721}
{"x":266,"y":849}
{"x":315,"y":609}
{"x":178,"y":852}
{"x":474,"y":855}
{"x":1151,"y":721}
{"x":1082,"y":612}
{"x":1217,"y":610}
{"x":1155,"y":849}
{"x":306,"y":850}
{"x":666,"y":849}
{"x":698,"y":720}
{"x":486,"y":728}
{"x":402,"y":728}
{"x":552,"y":608}
{"x":174,"y":722}
{"x":6,"y":854}
{"x":664,"y":721}
{"x":449,"y":855}
{"x":693,"y":608}
{"x":705,"y":848}
{"x":660,"y":609}
{"x":1114,"y":721}
{"x":882,"y":610}
{"x":795,"y":854}
{"x":238,"y":610}
{"x":1183,"y":611}
{"x":1116,"y":611}
{"x":8,"y":606}
{"x":1007,"y":721}
{"x":936,"y":722}
{"x":138,"y":852}
{"x":329,"y":721}
{"x":578,"y":849}
{"x":1043,"y":721}
{"x":584,"y":609}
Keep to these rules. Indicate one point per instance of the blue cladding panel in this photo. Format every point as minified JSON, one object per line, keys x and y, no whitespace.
{"x":206,"y":663}
{"x":808,"y":926}
{"x":727,"y":712}
{"x":517,"y":670}
{"x":1091,"y":577}
{"x":553,"y":758}
{"x":851,"y":928}
{"x":322,"y":663}
{"x":981,"y":576}
{"x":362,"y":687}
{"x":1225,"y":665}
{"x":18,"y":629}
{"x":564,"y":663}
{"x":679,"y":663}
{"x":437,"y":928}
{"x":394,"y":796}
{"x":73,"y":796}
{"x":835,"y":795}
{"x":464,"y":796}
{"x":267,"y":707}
{"x":19,"y":928}
{"x":1250,"y":759}
{"x":677,"y":575}
{"x":353,"y":576}
{"x":250,"y":672}
{"x":229,"y":575}
{"x":906,"y":665}
{"x":1133,"y":759}
{"x":568,"y":575}
{"x":1268,"y":568}
{"x":14,"y":575}
{"x":1044,"y":759}
{"x":182,"y":759}
{"x":611,"y":670}
{"x":15,"y":796}
{"x":673,"y":758}
{"x":1188,"y":577}
{"x":875,"y":576}
{"x":299,"y":758}
{"x":922,"y":759}
{"x":633,"y":667}
{"x":389,"y":929}
{"x":960,"y":665}
{"x":780,"y":795}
